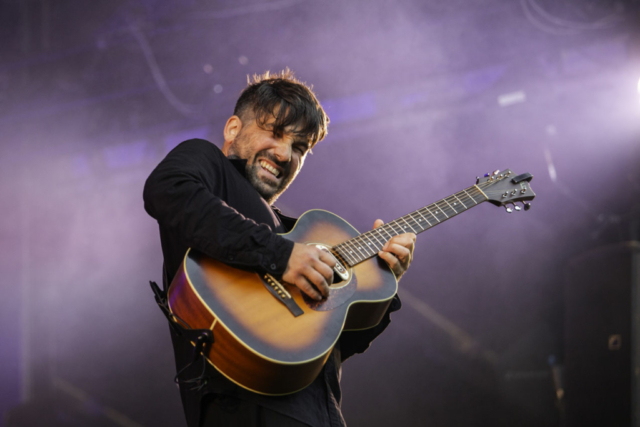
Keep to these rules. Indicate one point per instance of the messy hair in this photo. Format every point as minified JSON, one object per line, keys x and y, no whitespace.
{"x":290,"y":101}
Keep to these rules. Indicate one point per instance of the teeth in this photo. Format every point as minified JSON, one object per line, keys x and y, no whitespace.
{"x":270,"y":168}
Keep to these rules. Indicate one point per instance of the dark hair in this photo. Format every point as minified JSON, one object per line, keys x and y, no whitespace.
{"x":290,"y":101}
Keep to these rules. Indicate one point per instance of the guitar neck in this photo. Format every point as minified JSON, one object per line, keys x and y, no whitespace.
{"x":367,"y":245}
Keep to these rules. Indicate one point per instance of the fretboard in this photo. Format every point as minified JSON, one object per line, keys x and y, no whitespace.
{"x":367,"y":245}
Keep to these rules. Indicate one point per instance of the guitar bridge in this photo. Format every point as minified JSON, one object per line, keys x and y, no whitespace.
{"x":278,"y":290}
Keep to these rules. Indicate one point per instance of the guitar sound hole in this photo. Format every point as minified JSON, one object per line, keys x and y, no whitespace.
{"x":337,"y":280}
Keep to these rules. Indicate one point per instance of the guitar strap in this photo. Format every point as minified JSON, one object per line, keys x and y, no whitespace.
{"x":199,"y":338}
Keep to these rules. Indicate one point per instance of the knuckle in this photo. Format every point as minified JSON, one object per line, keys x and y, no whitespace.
{"x":309,"y":290}
{"x":318,"y":280}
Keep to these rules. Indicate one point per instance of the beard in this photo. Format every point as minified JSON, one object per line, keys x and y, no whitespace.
{"x":269,"y":188}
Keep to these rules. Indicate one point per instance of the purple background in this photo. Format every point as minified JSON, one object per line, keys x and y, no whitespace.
{"x":423,"y":96}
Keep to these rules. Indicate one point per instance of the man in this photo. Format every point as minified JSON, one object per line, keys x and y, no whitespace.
{"x":219,"y":202}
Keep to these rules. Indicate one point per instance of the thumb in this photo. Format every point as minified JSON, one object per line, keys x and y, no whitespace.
{"x":377,"y":223}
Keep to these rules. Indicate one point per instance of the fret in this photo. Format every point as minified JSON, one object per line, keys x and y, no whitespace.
{"x":481,"y":192}
{"x":382,"y":229}
{"x":414,"y":220}
{"x":342,"y":252}
{"x":374,"y":236}
{"x":452,"y":208}
{"x":371,"y":243}
{"x":457,"y":204}
{"x":424,"y":217}
{"x":441,"y":210}
{"x":350,"y":250}
{"x":405,"y":221}
{"x":388,"y":228}
{"x":474,"y":200}
{"x":461,"y":202}
{"x":363,"y":246}
{"x":429,"y":210}
{"x":358,"y":247}
{"x":396,"y":227}
{"x":385,"y":227}
{"x":449,"y":207}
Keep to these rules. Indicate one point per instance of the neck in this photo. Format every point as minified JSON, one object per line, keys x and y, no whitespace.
{"x":367,"y":245}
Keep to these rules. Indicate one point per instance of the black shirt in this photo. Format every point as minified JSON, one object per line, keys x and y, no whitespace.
{"x":203,"y":201}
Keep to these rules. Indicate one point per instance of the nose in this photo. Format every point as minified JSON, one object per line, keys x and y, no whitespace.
{"x":282,"y":151}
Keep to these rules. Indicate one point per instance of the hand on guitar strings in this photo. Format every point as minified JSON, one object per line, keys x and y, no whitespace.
{"x":398,"y":251}
{"x":311,"y":270}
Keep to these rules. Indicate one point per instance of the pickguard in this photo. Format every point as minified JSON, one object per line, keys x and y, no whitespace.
{"x":337,"y":296}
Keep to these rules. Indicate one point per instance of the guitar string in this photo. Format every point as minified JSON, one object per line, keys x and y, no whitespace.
{"x":396,"y":228}
{"x":409,"y":220}
{"x":393,"y":225}
{"x":346,"y":249}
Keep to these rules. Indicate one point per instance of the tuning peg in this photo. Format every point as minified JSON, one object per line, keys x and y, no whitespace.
{"x":516,"y":207}
{"x":508,"y":209}
{"x":527,"y":206}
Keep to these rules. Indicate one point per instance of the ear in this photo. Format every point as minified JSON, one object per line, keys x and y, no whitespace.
{"x":231,"y":130}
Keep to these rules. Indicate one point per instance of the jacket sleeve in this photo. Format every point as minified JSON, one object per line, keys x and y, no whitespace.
{"x":179,"y":194}
{"x":352,"y":342}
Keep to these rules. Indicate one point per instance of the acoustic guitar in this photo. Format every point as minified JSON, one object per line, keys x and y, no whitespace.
{"x":271,"y":338}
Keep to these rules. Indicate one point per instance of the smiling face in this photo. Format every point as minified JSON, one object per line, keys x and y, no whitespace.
{"x":272,"y":162}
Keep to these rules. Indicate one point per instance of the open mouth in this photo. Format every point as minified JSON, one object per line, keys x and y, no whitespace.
{"x":269,"y":168}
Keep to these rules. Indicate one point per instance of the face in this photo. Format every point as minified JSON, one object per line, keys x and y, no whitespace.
{"x":272,"y":162}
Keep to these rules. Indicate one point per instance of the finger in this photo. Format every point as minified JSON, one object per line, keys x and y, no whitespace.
{"x":408,"y":240}
{"x":377,"y":223}
{"x":401,"y":252}
{"x":305,"y":286}
{"x":317,"y":280}
{"x":325,"y":271}
{"x":404,"y":238}
{"x":393,"y":261}
{"x":328,"y":259}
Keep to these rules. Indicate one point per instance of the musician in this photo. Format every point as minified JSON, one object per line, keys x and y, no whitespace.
{"x":220,"y":202}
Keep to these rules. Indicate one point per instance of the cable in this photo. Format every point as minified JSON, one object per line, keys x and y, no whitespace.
{"x":602,"y":23}
{"x":552,"y":24}
{"x":185,"y":109}
{"x":543,"y":26}
{"x":248,"y":9}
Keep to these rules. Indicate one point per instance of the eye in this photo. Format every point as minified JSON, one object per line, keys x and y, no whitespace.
{"x":300,"y":148}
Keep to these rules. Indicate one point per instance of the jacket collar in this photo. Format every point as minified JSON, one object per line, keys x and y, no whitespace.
{"x":240,"y":165}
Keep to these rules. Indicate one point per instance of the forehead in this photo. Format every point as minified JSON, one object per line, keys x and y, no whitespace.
{"x":294,"y":131}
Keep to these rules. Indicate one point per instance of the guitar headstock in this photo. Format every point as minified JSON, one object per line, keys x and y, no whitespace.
{"x":504,"y":188}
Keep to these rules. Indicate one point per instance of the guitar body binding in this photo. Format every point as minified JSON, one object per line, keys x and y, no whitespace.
{"x":259,"y":343}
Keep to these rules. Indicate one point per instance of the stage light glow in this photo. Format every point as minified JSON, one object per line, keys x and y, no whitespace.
{"x":638,"y":86}
{"x":511,"y":98}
